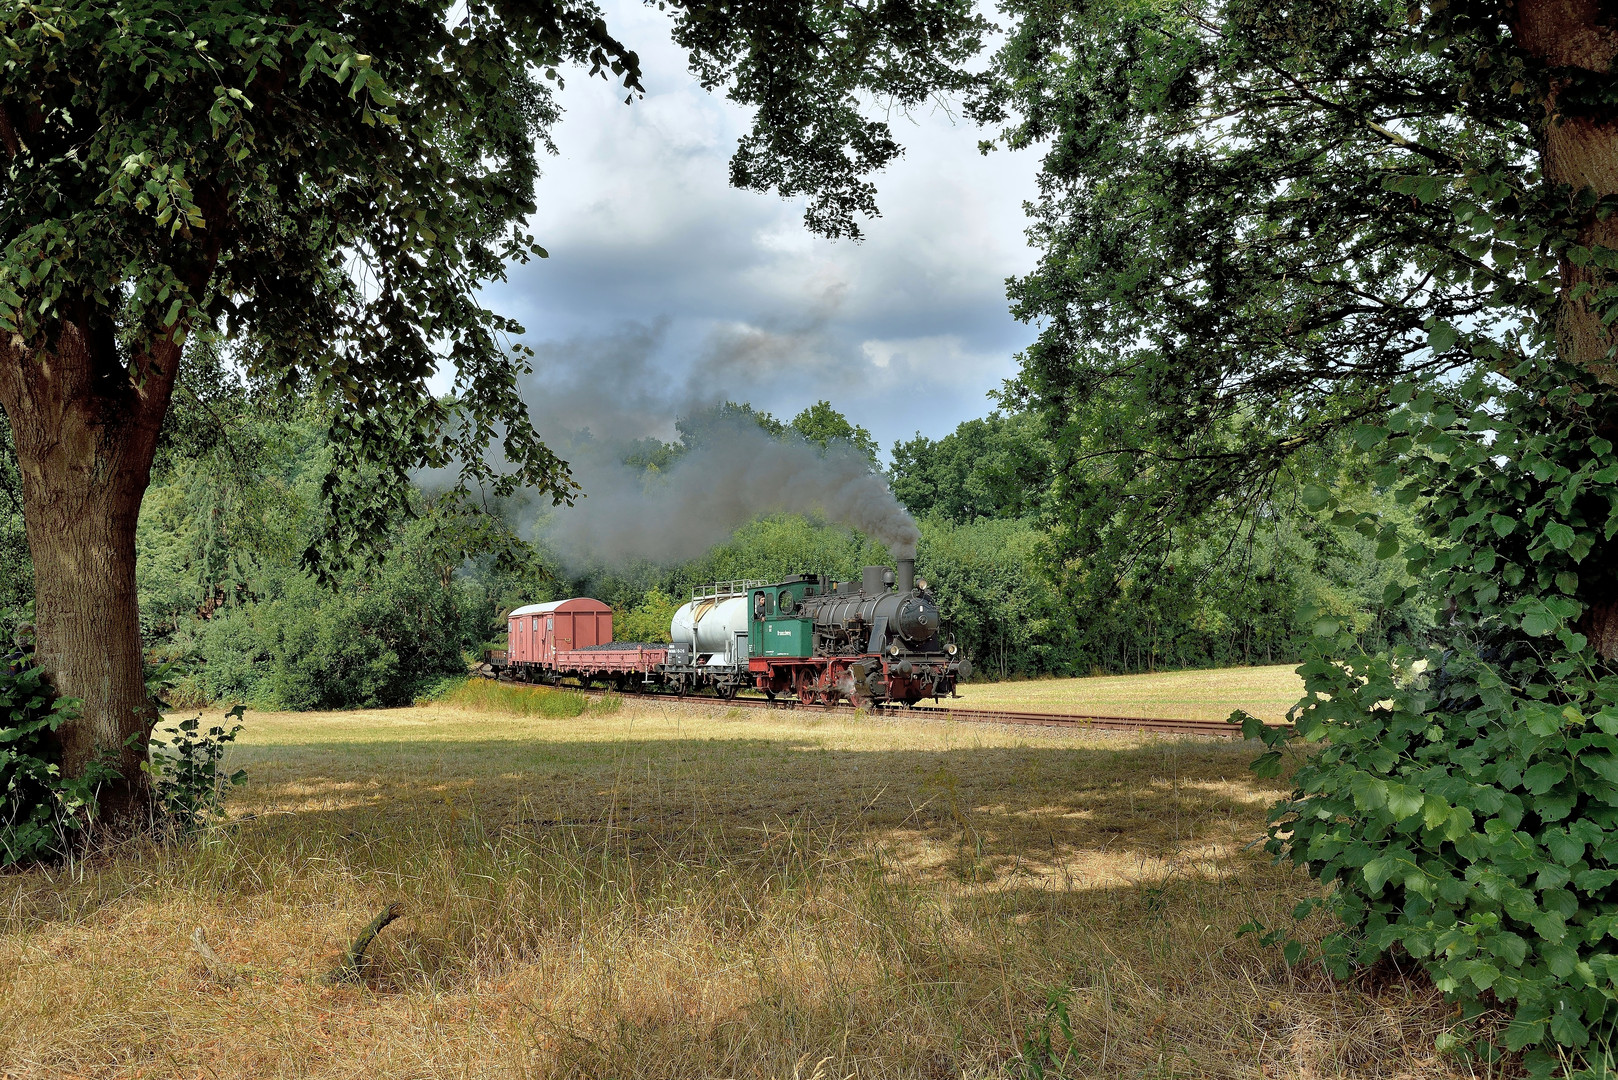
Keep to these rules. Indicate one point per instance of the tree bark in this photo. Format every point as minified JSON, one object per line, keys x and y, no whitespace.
{"x":1580,"y":149}
{"x":85,"y":422}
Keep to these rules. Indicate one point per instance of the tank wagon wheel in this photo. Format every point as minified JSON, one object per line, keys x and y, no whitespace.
{"x":725,"y":692}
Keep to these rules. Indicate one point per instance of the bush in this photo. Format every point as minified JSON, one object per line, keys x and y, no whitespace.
{"x":369,"y":643}
{"x":1471,"y":827}
{"x":40,"y":811}
{"x":647,"y":621}
{"x":187,"y":780}
{"x":1465,"y":809}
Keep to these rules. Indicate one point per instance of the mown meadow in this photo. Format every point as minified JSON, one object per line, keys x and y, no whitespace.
{"x":606,"y":888}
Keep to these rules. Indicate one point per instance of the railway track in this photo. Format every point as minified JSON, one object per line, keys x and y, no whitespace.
{"x":1173,"y":726}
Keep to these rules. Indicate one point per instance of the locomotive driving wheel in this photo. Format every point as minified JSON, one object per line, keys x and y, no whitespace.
{"x":804,"y":683}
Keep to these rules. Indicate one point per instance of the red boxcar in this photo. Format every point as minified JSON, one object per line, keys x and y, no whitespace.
{"x":539,"y":631}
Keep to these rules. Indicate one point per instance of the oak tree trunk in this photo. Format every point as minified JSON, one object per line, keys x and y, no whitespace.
{"x":1580,"y":149}
{"x":85,"y":421}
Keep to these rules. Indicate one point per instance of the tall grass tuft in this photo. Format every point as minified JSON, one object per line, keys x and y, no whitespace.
{"x":486,"y":694}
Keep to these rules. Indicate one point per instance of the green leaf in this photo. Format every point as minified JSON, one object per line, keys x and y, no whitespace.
{"x":1377,"y":872}
{"x":1538,"y":621}
{"x":1267,"y":765}
{"x":1482,"y":973}
{"x":1564,"y":849}
{"x":1511,"y":948}
{"x":1368,"y":435}
{"x":1441,"y":338}
{"x":1314,"y":496}
{"x":1602,"y":763}
{"x":1404,"y":801}
{"x":1544,"y":776}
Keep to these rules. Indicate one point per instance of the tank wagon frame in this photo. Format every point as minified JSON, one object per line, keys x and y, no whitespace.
{"x":809,"y":638}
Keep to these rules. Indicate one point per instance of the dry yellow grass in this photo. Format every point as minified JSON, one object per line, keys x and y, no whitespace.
{"x":687,"y":891}
{"x":1266,"y":692}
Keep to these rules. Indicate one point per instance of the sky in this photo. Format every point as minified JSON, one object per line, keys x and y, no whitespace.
{"x":667,"y":289}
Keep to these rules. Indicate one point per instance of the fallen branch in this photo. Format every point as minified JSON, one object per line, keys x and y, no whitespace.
{"x":218,"y":970}
{"x":348,"y":968}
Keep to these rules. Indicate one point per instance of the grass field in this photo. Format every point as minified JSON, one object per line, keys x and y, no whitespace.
{"x":1266,"y":692}
{"x":685,"y":891}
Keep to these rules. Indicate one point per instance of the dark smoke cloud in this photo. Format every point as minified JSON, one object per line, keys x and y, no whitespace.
{"x":739,"y":473}
{"x":593,"y":397}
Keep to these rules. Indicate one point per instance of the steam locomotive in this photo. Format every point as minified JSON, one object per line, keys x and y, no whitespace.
{"x":874,"y":640}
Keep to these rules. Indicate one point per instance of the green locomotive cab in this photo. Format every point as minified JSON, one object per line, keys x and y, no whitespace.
{"x":779,"y":625}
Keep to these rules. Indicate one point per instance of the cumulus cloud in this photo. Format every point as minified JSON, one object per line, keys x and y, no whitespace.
{"x":645,"y":233}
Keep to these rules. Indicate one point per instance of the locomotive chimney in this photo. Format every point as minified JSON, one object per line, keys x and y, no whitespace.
{"x":906,"y":580}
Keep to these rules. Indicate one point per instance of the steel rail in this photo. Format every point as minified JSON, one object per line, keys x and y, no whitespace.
{"x":1081,"y":721}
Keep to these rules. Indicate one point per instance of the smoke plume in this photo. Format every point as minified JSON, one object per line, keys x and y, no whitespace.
{"x":738,"y":474}
{"x":592,"y":398}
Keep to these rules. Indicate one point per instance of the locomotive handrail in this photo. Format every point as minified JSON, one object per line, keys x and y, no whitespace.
{"x":720,"y":590}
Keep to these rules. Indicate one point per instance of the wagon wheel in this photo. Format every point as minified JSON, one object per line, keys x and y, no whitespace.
{"x":727,"y":691}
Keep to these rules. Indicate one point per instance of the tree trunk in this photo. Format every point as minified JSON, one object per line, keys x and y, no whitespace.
{"x":1580,"y":148}
{"x":85,"y":423}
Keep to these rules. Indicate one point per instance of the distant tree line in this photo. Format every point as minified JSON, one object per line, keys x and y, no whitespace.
{"x":236,"y":499}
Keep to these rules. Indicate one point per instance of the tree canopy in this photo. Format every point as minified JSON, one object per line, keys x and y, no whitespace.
{"x":321,"y":189}
{"x":1265,"y":229}
{"x":1259,"y":226}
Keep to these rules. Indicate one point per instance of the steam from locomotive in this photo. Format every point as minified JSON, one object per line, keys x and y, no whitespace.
{"x":738,"y":474}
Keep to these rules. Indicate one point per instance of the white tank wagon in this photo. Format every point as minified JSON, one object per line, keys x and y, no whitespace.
{"x":716,"y":630}
{"x":709,"y":638}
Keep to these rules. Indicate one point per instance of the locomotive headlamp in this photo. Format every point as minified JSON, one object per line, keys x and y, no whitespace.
{"x":893,"y":650}
{"x":950,"y":648}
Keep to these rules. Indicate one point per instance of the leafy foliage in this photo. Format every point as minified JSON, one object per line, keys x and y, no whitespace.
{"x":822,"y":425}
{"x":997,"y":467}
{"x":188,"y":781}
{"x":1466,"y":800}
{"x":1269,"y":229}
{"x":648,"y":620}
{"x":40,"y":810}
{"x":1254,"y":222}
{"x":1211,"y":592}
{"x":374,"y":640}
{"x":221,"y":587}
{"x":219,"y":171}
{"x":328,"y":185}
{"x":807,"y":68}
